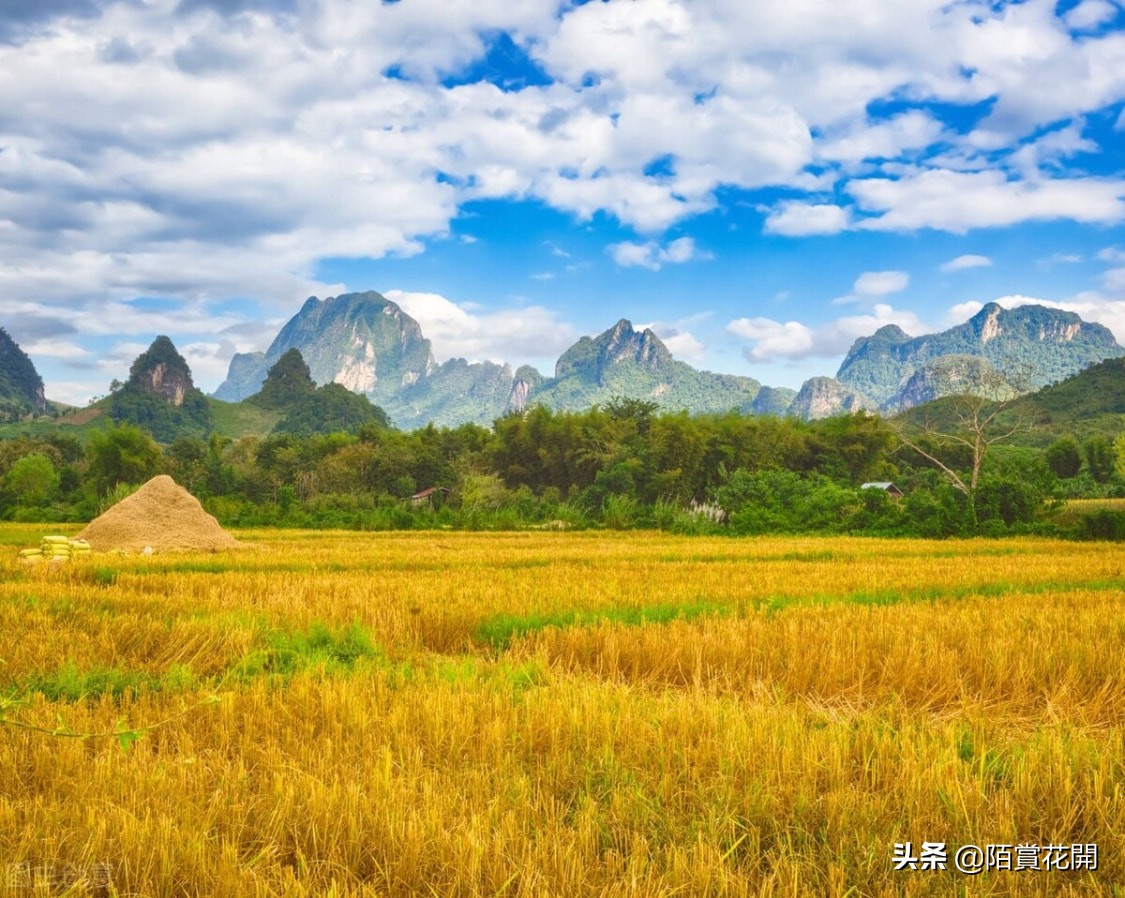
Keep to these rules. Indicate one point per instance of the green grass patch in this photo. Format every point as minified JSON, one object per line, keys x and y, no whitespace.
{"x":240,"y":419}
{"x":498,"y":632}
{"x":317,"y":648}
{"x":70,"y":684}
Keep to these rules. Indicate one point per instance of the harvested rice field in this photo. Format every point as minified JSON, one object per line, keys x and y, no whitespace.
{"x":558,"y":714}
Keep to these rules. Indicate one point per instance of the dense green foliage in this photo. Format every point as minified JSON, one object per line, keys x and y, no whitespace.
{"x":287,"y":382}
{"x":330,"y":409}
{"x":307,"y":409}
{"x":1091,"y":403}
{"x":160,"y":397}
{"x":21,"y":387}
{"x":620,"y":466}
{"x":315,"y":457}
{"x":164,"y":421}
{"x":122,"y":455}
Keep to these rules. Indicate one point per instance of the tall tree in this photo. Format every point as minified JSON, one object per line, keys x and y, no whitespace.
{"x":974,"y":425}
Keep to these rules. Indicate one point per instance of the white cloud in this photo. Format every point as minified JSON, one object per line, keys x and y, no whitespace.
{"x":958,"y":201}
{"x":961,"y":263}
{"x":773,"y":340}
{"x":865,"y":140}
{"x":652,"y":255}
{"x":963,"y":311}
{"x":528,"y":333}
{"x":1062,"y":259}
{"x":1090,"y":14}
{"x":1053,"y":147}
{"x":681,"y":342}
{"x":684,"y":346}
{"x":71,"y":392}
{"x":1114,"y":255}
{"x":798,"y":219}
{"x":1114,"y":280}
{"x":55,"y":348}
{"x":881,"y":283}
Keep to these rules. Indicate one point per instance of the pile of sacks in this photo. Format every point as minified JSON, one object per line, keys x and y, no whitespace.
{"x":58,"y":547}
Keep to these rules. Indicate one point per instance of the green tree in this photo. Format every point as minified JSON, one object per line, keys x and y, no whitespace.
{"x":122,"y":454}
{"x":1100,"y":458}
{"x":1064,"y":457}
{"x":33,"y":479}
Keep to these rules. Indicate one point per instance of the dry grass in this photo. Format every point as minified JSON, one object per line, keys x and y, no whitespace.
{"x":566,"y":714}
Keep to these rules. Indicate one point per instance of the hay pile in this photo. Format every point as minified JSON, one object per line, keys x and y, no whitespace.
{"x":160,"y":515}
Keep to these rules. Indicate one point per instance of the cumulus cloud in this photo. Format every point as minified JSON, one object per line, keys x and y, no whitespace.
{"x":962,"y":311}
{"x":528,"y":333}
{"x":1114,"y":280}
{"x":774,"y":340}
{"x":652,"y":255}
{"x":795,"y":218}
{"x":681,"y":342}
{"x":958,"y":201}
{"x":1090,"y":14}
{"x":57,"y":348}
{"x":967,"y":261}
{"x":881,"y":283}
{"x":864,"y":140}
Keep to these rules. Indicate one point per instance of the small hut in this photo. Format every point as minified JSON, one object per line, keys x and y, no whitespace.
{"x":432,"y":496}
{"x":886,"y":486}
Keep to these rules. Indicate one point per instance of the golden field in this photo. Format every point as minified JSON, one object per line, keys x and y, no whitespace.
{"x":554,"y":714}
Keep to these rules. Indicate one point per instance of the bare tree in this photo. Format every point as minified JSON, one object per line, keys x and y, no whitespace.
{"x":979,"y":423}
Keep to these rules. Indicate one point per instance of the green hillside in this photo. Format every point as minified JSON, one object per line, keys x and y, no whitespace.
{"x":1091,"y":403}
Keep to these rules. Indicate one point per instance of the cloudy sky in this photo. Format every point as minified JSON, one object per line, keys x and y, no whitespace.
{"x":760,"y":181}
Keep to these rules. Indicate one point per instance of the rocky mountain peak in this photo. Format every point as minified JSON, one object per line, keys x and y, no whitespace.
{"x":823,"y":397}
{"x":161,"y":371}
{"x":591,"y":358}
{"x":362,"y":341}
{"x":987,"y":322}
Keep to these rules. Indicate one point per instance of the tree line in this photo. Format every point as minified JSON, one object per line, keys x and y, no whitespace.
{"x":622,"y":465}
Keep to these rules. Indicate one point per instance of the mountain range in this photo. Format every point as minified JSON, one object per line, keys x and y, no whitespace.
{"x":367,"y":343}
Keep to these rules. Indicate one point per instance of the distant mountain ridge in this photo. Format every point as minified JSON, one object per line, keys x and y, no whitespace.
{"x":623,"y":361}
{"x":367,"y":343}
{"x":1029,"y":346}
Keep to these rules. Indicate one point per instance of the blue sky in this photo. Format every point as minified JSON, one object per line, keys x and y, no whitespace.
{"x":760,"y":182}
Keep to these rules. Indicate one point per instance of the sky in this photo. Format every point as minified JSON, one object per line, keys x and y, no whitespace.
{"x":759,"y":181}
